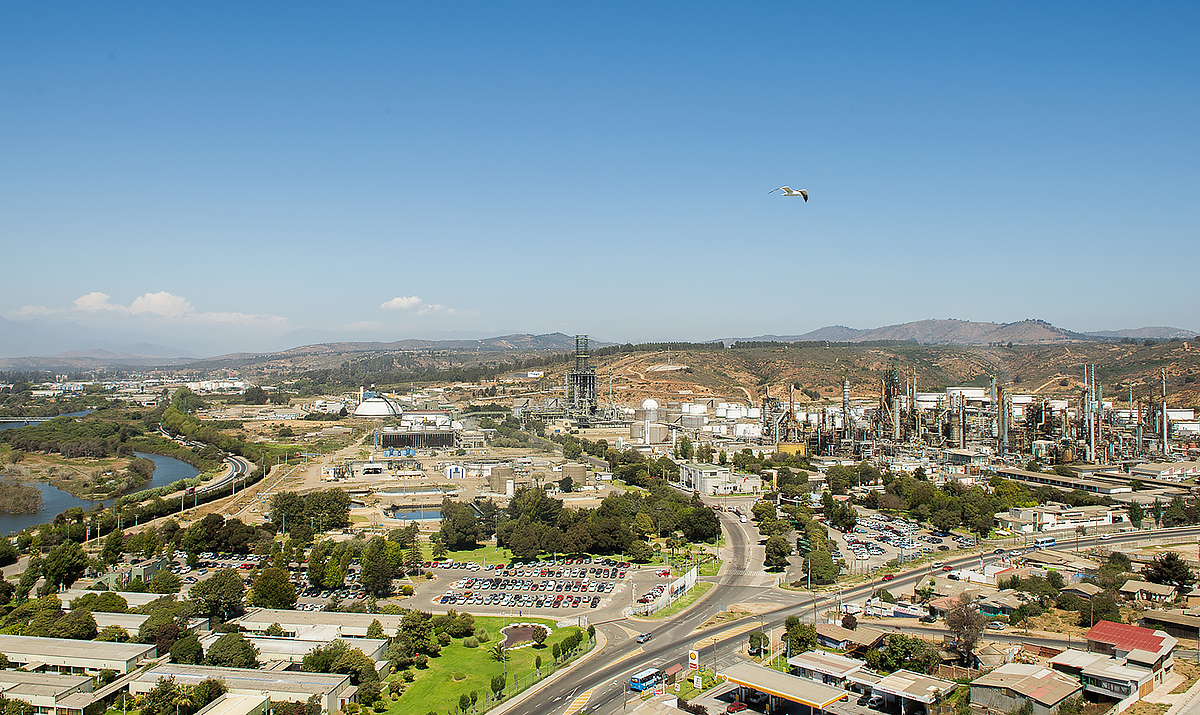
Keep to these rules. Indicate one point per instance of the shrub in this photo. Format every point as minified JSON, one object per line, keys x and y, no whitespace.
{"x":409,"y":676}
{"x":421,"y":660}
{"x":406,"y":590}
{"x":470,"y":642}
{"x":380,"y":706}
{"x":482,"y":634}
{"x":444,"y":639}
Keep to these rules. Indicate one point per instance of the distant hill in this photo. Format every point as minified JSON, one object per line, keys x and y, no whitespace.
{"x":942,"y":332}
{"x":1157,"y":332}
{"x":520,"y":341}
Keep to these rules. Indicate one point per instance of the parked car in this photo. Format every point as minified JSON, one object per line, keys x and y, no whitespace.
{"x":735,"y":707}
{"x":996,"y":626}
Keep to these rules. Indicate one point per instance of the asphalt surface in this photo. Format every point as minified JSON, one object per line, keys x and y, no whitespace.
{"x":608,"y":672}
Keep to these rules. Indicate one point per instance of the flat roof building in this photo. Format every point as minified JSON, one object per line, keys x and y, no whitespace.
{"x":905,"y":687}
{"x":44,"y":691}
{"x":827,"y":668}
{"x":334,"y":689}
{"x":299,"y":624}
{"x":293,"y":650}
{"x":782,"y":686}
{"x":63,"y":655}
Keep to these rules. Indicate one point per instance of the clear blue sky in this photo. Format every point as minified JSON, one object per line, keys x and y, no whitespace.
{"x":230,"y":173}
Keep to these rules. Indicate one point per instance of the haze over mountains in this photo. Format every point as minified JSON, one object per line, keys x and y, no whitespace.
{"x":25,"y":345}
{"x":967,"y":332}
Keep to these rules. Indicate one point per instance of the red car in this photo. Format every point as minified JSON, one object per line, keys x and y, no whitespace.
{"x":664,"y":572}
{"x":735,"y":707}
{"x":888,"y":576}
{"x":947,"y":567}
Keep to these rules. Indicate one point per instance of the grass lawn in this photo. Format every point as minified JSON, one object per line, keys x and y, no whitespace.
{"x":483,"y":555}
{"x":688,"y":599}
{"x":707,"y":679}
{"x":436,"y":689}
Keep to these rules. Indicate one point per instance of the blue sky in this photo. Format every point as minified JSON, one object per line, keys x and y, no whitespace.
{"x":227,"y":175}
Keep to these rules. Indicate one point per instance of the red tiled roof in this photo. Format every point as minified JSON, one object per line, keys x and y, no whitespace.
{"x":1125,"y":637}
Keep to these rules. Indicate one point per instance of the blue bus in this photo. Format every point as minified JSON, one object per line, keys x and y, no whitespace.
{"x":646,"y":679}
{"x":1044,"y":542}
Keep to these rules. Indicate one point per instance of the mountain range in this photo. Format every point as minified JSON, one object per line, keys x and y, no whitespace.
{"x":967,"y":332}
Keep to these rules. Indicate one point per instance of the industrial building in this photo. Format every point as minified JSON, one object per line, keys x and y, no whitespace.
{"x":301,"y":624}
{"x":49,"y":693}
{"x":333,"y":689}
{"x":62,"y":655}
{"x":291,"y":650}
{"x":713,"y":479}
{"x":1057,"y":517}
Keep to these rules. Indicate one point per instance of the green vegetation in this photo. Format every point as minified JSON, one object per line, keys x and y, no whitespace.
{"x":684,"y":601}
{"x":19,"y":498}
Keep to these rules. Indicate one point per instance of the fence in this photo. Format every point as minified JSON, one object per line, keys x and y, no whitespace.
{"x":523,"y":683}
{"x":678,"y":587}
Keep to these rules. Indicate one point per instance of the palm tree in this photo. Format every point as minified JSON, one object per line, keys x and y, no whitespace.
{"x":498,"y":653}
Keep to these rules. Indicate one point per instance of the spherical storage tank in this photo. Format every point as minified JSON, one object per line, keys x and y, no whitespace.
{"x":649,"y":404}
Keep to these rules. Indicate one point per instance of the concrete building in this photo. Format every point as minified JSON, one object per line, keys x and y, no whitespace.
{"x":315,"y":624}
{"x":46,"y":692}
{"x":62,"y":655}
{"x":1011,"y":685}
{"x":333,"y":689}
{"x":832,"y":635}
{"x":1122,"y":661}
{"x":292,"y":650}
{"x":1168,"y":471}
{"x":713,"y":479}
{"x":246,"y":704}
{"x":1104,"y":676}
{"x":1057,"y":517}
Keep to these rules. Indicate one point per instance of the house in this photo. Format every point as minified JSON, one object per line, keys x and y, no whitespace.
{"x":1082,"y":590}
{"x":1181,"y":624}
{"x":1137,"y":590}
{"x":1001,"y":603}
{"x":1104,"y":676}
{"x":1193,"y":598}
{"x":1011,"y":685}
{"x":1135,"y":646}
{"x":832,"y":635}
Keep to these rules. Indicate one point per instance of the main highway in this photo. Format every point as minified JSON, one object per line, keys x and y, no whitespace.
{"x":606,"y":674}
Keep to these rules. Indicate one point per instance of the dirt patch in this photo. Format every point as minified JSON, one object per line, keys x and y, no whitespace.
{"x":516,"y":635}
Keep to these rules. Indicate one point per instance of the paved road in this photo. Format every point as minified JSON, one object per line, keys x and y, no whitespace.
{"x":609,"y":672}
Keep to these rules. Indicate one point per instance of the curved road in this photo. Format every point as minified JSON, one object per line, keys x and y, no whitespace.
{"x":608,"y":672}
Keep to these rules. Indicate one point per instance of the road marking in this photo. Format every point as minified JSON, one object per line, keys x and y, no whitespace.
{"x":579,"y":702}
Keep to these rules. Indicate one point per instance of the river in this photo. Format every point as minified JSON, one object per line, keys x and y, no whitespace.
{"x":55,"y":501}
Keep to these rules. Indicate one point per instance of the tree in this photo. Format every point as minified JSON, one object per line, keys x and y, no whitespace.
{"x":164,"y":581}
{"x":1170,"y":568}
{"x":114,"y":546}
{"x":643,"y":525}
{"x":778,"y":552}
{"x":65,"y":564}
{"x":758,"y":642}
{"x":113,"y":634}
{"x":232,"y":650}
{"x":640,"y":552}
{"x":539,"y":636}
{"x":820,"y":565}
{"x":849,"y":622}
{"x":1136,"y":514}
{"x":901,"y":651}
{"x":254,"y":396}
{"x":799,"y":636}
{"x":966,"y":624}
{"x":187,"y":650}
{"x":219,"y":596}
{"x":700,"y":524}
{"x":375,"y":630}
{"x":498,"y":682}
{"x":566,"y":484}
{"x":273,"y":589}
{"x":78,"y":625}
{"x":439,"y":548}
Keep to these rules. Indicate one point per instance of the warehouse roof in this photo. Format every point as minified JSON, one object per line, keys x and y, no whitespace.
{"x":827,"y":663}
{"x":242,"y":679}
{"x":68,"y":648}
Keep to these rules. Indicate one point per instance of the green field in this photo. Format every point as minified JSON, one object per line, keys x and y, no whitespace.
{"x":483,"y":555}
{"x":435,"y":688}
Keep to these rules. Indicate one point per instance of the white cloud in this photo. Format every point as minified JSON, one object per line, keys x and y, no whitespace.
{"x":414,"y":304}
{"x":161,"y":307}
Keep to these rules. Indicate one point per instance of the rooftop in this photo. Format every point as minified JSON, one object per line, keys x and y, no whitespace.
{"x":1044,"y":685}
{"x":241,"y":679}
{"x":915,"y":686}
{"x":1134,"y":585}
{"x":1130,"y":638}
{"x":827,"y":663}
{"x":67,"y":648}
{"x":789,"y":687}
{"x":858,"y":636}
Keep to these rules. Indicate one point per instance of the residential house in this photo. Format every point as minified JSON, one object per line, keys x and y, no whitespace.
{"x":1001,"y":603}
{"x":1082,"y":590}
{"x":832,"y":635}
{"x":1137,"y":590}
{"x":1010,"y":686}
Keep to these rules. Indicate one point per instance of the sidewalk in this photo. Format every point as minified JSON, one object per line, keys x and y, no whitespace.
{"x":1185,"y":702}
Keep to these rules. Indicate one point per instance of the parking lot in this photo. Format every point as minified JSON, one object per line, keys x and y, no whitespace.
{"x":878,"y":539}
{"x":558,"y":584}
{"x":308,"y":598}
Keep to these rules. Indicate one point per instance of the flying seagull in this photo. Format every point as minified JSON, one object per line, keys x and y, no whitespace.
{"x":789,"y":191}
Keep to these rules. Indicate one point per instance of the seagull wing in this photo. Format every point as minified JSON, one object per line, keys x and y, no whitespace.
{"x":804,"y":194}
{"x":781,"y":188}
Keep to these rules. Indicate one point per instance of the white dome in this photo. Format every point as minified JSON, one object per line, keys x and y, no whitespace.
{"x":650,"y":404}
{"x":376,"y":407}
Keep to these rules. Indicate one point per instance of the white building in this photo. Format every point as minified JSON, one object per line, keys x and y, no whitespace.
{"x":1057,"y":517}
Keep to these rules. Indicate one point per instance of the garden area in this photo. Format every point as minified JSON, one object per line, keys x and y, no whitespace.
{"x":471,"y":664}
